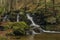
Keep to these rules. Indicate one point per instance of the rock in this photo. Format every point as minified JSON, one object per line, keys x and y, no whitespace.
{"x":17,"y":33}
{"x":1,"y":28}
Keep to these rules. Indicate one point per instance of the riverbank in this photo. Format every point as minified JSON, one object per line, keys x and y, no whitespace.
{"x":42,"y":36}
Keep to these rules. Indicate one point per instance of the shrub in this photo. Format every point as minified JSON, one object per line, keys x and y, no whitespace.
{"x":7,"y":25}
{"x":20,"y":26}
{"x":17,"y":27}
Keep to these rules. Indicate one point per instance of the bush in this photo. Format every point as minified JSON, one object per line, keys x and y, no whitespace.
{"x":7,"y":25}
{"x":20,"y":26}
{"x":17,"y":27}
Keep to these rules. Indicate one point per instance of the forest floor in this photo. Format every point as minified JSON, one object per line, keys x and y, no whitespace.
{"x":43,"y":36}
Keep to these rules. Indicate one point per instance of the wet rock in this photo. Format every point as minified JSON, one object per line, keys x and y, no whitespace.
{"x":17,"y":33}
{"x":28,"y":22}
{"x":28,"y":31}
{"x":37,"y":30}
{"x":1,"y":28}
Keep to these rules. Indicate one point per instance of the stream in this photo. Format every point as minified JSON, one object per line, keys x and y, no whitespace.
{"x":33,"y":25}
{"x":37,"y":26}
{"x":5,"y":18}
{"x":41,"y":35}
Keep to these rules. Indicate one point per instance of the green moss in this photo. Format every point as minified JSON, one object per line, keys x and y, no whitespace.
{"x":7,"y":25}
{"x":20,"y":26}
{"x":16,"y":26}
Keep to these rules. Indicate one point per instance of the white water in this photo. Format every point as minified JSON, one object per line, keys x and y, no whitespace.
{"x":37,"y":26}
{"x":4,"y":19}
{"x":31,"y":19}
{"x":17,"y":17}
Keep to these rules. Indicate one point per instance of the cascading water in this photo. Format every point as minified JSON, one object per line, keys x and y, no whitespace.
{"x":33,"y":24}
{"x":31,"y":19}
{"x":37,"y":26}
{"x":17,"y":17}
{"x":4,"y":19}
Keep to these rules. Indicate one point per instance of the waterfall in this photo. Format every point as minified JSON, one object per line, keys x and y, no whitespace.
{"x":33,"y":24}
{"x":37,"y":26}
{"x":31,"y":19}
{"x":17,"y":17}
{"x":51,"y":31}
{"x":4,"y":19}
